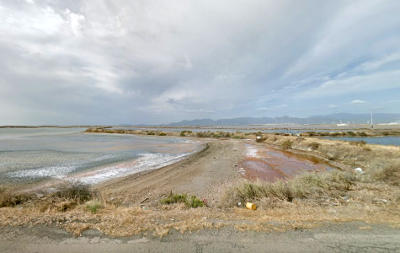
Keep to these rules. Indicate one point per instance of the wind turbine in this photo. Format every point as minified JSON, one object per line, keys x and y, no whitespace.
{"x":371,"y":122}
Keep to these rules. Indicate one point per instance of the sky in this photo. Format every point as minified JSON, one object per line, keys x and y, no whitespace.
{"x":152,"y":61}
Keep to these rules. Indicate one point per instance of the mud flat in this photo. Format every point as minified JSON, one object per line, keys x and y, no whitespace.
{"x":269,"y":164}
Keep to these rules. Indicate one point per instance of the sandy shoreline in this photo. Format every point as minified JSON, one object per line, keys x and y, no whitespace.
{"x":200,"y":174}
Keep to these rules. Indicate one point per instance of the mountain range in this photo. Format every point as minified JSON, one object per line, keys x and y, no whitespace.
{"x":318,"y":119}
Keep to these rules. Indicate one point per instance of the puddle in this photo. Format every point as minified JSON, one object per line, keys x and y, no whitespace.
{"x":271,"y":165}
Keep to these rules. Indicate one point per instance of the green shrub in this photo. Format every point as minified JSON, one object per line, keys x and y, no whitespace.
{"x":191,"y":201}
{"x":194,"y":202}
{"x":237,"y":137}
{"x":93,"y":205}
{"x":174,"y":198}
{"x":203,"y":134}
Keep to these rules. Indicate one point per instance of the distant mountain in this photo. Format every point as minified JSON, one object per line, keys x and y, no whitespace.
{"x":319,"y":119}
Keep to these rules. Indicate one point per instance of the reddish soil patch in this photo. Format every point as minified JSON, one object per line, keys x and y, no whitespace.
{"x":272,"y":165}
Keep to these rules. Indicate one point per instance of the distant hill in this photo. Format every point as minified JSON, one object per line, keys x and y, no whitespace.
{"x":319,"y":119}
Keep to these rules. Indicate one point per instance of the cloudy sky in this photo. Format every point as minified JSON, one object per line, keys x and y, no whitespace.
{"x":153,"y":61}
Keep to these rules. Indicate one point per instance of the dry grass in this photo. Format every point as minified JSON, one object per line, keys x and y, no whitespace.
{"x":312,"y":186}
{"x":75,"y":191}
{"x":287,"y":144}
{"x":67,"y":197}
{"x":8,"y":197}
{"x":389,"y":174}
{"x":314,"y":145}
{"x":381,"y":166}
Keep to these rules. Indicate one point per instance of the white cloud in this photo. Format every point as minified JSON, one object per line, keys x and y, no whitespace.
{"x":378,"y":81}
{"x":358,"y":101}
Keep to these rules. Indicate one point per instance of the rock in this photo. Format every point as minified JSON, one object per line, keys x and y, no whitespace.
{"x":359,"y":170}
{"x":384,"y":201}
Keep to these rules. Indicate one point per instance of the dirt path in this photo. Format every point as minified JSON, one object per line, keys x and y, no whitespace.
{"x":201,"y":175}
{"x":349,"y":237}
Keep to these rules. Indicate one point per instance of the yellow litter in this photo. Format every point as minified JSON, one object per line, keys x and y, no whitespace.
{"x":251,"y":206}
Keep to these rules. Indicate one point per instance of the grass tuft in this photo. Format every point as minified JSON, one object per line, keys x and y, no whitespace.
{"x":93,"y":205}
{"x":192,"y":201}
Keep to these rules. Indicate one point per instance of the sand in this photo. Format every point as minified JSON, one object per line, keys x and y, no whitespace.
{"x":202,"y":175}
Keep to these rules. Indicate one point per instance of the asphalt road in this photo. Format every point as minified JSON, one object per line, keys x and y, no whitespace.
{"x":348,"y":237}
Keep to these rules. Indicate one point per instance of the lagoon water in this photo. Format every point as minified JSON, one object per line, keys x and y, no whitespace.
{"x":384,"y":140}
{"x":31,"y":154}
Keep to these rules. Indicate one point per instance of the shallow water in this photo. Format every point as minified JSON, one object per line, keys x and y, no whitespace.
{"x":44,"y":153}
{"x":385,"y":140}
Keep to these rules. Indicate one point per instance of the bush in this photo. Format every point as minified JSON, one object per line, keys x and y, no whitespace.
{"x":162,"y":134}
{"x":358,"y":143}
{"x":237,"y":137}
{"x":191,"y":201}
{"x":314,"y":145}
{"x":287,"y":144}
{"x":203,"y":134}
{"x":93,"y":205}
{"x":390,"y":174}
{"x":174,"y":198}
{"x":194,"y":202}
{"x":10,"y":199}
{"x":77,"y":191}
{"x":260,"y":138}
